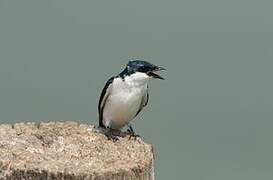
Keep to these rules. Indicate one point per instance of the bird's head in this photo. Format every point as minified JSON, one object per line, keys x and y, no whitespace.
{"x":143,"y":68}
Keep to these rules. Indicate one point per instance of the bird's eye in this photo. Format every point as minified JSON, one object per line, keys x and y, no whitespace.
{"x":143,"y":69}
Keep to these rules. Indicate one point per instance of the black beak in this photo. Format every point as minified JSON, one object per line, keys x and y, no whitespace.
{"x":156,"y":76}
{"x":159,"y":69}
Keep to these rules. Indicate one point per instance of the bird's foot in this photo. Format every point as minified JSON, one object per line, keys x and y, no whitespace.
{"x":134,"y":136}
{"x":112,"y":134}
{"x":132,"y":133}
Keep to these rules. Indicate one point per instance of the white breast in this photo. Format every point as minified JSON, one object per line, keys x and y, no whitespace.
{"x":124,"y":101}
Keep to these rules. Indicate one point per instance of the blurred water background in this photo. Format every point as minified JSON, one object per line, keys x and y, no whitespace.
{"x":210,"y":119}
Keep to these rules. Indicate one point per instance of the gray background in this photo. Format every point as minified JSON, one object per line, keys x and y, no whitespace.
{"x":211,"y":119}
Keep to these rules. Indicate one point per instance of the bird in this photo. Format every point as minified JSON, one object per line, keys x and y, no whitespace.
{"x":125,"y":95}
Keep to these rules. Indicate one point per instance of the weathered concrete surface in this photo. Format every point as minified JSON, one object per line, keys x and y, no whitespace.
{"x":68,"y":150}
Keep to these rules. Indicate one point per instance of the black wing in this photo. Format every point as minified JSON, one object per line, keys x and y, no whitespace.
{"x":144,"y":102}
{"x":103,"y":97}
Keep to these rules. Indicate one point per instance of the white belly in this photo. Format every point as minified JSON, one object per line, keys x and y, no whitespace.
{"x":122,"y":106}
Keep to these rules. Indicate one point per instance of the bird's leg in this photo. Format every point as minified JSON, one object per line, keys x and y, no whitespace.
{"x":130,"y":129}
{"x":132,"y":132}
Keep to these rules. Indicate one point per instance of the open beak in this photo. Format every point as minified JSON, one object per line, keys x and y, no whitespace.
{"x":154,"y":75}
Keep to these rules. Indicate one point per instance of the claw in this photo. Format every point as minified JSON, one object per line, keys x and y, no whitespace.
{"x":112,"y":134}
{"x":135,"y":136}
{"x":112,"y":137}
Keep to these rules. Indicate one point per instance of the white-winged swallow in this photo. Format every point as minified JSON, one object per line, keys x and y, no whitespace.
{"x":125,"y":95}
